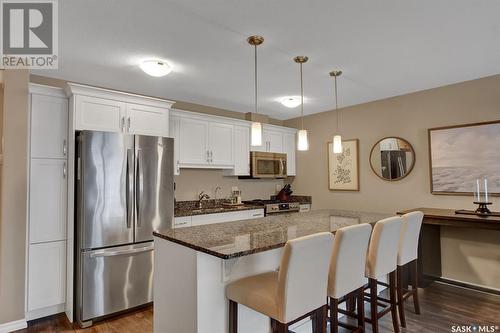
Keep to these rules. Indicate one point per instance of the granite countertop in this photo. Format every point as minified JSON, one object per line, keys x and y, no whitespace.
{"x":211,"y":206}
{"x":240,"y":238}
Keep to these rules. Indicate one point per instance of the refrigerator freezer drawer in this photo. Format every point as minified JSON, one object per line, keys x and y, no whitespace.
{"x":116,"y":279}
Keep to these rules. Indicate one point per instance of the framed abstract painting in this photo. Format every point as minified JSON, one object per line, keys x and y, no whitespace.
{"x":343,"y":168}
{"x":460,"y":155}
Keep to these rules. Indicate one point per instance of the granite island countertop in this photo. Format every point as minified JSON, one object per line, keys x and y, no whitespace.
{"x":240,"y":238}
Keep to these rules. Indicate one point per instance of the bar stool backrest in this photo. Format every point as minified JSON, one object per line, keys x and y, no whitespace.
{"x":303,"y":275}
{"x":347,"y":267}
{"x":383,"y":248}
{"x":408,"y":241}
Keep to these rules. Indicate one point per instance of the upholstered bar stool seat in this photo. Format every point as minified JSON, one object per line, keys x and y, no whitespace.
{"x":381,"y":260}
{"x":297,"y":291}
{"x":347,"y":273}
{"x":407,"y":257}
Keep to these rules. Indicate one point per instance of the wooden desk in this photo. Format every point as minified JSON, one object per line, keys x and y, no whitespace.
{"x":429,"y":249}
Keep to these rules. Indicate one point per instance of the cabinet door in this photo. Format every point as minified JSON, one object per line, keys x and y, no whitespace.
{"x":173,"y":132}
{"x":147,"y":120}
{"x":220,"y":142}
{"x":49,"y":126}
{"x":275,"y":141}
{"x":99,"y":114}
{"x":241,"y":151}
{"x":46,"y":275}
{"x":193,"y":145}
{"x":289,"y":150}
{"x":48,"y":200}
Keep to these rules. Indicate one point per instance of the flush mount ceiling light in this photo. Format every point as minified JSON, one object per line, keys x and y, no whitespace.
{"x":155,"y":67}
{"x":302,"y":140}
{"x":256,"y":131}
{"x":291,"y":101}
{"x":337,"y":139}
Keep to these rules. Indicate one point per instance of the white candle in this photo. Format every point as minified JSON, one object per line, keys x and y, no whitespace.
{"x":477,"y":191}
{"x":485,"y":190}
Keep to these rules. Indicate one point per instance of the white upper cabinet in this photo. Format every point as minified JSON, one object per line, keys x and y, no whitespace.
{"x":147,"y":120}
{"x":274,"y":140}
{"x":220,"y":144}
{"x":99,"y":114}
{"x":49,"y":126}
{"x":214,"y":142}
{"x":241,"y":151}
{"x":193,"y":145}
{"x":113,"y":111}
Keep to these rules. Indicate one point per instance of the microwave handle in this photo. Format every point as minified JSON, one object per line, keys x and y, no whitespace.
{"x":282,"y":167}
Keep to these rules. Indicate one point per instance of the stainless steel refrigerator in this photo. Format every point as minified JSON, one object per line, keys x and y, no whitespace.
{"x":125,"y":190}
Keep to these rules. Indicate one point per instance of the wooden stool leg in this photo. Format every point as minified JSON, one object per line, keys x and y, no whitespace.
{"x":233,"y":317}
{"x":361,"y":308}
{"x":373,"y":304}
{"x":414,"y":286}
{"x":392,"y":293}
{"x":334,"y":315}
{"x":401,"y":301}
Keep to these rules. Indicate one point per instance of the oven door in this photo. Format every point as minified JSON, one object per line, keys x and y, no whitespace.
{"x":268,"y":165}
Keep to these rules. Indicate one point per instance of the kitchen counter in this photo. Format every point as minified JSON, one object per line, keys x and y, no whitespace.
{"x":193,"y":266}
{"x":190,"y":208}
{"x":241,"y":238}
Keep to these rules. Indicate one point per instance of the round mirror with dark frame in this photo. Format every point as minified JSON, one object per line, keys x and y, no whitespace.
{"x":392,"y":158}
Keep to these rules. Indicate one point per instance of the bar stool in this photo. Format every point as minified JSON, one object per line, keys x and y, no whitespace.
{"x":407,"y":257}
{"x":347,"y":273}
{"x":381,"y":260}
{"x":297,"y":291}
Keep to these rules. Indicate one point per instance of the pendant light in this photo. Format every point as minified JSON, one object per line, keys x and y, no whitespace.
{"x":256,"y":132}
{"x":337,"y":139}
{"x":302,"y":140}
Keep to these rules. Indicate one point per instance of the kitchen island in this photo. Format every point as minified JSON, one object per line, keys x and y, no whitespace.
{"x":193,"y":265}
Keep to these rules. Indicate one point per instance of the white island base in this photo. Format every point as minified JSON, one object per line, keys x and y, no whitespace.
{"x":189,"y":290}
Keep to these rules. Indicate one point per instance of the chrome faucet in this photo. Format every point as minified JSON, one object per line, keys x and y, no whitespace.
{"x":202,"y":196}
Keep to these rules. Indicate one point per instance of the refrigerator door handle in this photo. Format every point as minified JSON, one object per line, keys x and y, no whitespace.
{"x":108,"y":253}
{"x":139,"y":188}
{"x":130,"y":188}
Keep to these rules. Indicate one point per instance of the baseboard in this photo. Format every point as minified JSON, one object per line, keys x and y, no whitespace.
{"x":466,"y":285}
{"x":13,"y":326}
{"x":44,"y":312}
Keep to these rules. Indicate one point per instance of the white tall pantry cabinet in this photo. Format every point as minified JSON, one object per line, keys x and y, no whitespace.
{"x":47,"y":213}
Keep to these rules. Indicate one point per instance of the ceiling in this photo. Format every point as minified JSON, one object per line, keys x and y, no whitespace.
{"x":385,"y":48}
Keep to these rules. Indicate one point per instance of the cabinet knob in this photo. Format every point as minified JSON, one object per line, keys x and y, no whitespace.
{"x":65,"y":170}
{"x":128,"y":124}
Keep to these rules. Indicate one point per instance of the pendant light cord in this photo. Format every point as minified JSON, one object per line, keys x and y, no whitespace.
{"x":336,"y":104}
{"x":255,"y":56}
{"x":301,"y":98}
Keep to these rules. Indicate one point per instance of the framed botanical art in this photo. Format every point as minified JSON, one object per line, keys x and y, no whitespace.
{"x":460,"y":155}
{"x":343,"y":168}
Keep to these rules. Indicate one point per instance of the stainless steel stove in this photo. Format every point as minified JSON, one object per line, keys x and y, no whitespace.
{"x":275,"y":206}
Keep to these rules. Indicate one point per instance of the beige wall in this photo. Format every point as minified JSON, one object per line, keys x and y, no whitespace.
{"x":467,"y":254}
{"x":192,"y":181}
{"x":14,"y":198}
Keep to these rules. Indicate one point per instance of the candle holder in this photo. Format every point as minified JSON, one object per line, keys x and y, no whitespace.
{"x":482,"y":207}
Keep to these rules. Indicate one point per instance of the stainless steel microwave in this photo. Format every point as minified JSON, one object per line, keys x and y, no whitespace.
{"x":267,"y":165}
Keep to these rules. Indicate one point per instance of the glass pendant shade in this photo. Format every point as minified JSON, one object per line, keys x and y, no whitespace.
{"x":256,"y":134}
{"x":302,"y":141}
{"x":337,"y":144}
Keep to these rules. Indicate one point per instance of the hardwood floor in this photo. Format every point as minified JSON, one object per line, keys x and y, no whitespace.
{"x":442,"y":306}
